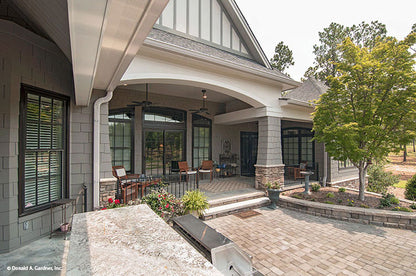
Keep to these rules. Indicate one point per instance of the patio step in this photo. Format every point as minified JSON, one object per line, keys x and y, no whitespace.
{"x":232,"y":208}
{"x":234,"y":199}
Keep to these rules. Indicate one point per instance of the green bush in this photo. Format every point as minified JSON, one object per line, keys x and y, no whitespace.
{"x":328,"y":202}
{"x":362,"y":205}
{"x":315,"y":187}
{"x":388,"y":199}
{"x":410,"y":192}
{"x":195,"y":201}
{"x":379,"y":180}
{"x":403,"y":209}
{"x":298,"y":196}
{"x":330,"y":195}
{"x":341,"y":190}
{"x":164,"y":204}
{"x":413,"y":206}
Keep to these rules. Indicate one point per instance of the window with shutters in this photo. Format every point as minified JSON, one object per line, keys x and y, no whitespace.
{"x":43,"y":138}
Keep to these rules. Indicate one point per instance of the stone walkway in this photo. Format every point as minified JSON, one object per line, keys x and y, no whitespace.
{"x":285,"y":242}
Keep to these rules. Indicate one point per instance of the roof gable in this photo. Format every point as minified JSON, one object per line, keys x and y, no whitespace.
{"x":218,"y":23}
{"x":310,"y":90}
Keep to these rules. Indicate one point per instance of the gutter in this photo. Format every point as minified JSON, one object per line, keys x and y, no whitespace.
{"x":96,"y":147}
{"x":296,"y":102}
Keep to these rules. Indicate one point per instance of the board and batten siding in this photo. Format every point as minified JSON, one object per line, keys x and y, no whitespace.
{"x":202,"y":20}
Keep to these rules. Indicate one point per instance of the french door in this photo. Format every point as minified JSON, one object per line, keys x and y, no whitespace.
{"x":248,"y":150}
{"x":161,"y":147}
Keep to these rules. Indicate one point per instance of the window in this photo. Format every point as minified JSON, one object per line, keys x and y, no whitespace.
{"x":43,"y":148}
{"x":345,"y":164}
{"x":298,"y":146}
{"x":201,"y":142}
{"x":121,"y":139}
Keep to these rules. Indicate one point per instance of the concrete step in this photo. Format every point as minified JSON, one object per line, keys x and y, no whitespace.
{"x":232,"y":208}
{"x":234,"y":199}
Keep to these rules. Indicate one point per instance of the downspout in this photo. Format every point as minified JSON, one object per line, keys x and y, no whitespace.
{"x":96,"y":147}
{"x":325,"y":168}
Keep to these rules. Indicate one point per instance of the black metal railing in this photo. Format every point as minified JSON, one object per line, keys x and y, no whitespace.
{"x":175,"y":184}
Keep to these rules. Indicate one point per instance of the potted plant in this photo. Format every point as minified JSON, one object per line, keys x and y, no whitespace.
{"x":273,"y":192}
{"x":195,"y":202}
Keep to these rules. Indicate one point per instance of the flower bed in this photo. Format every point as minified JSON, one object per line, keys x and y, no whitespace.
{"x":332,"y":195}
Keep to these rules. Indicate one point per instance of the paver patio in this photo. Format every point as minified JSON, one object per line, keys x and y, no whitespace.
{"x":285,"y":242}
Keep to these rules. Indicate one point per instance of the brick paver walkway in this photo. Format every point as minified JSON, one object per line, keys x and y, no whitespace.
{"x":285,"y":242}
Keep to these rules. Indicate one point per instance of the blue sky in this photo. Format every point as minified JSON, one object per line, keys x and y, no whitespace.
{"x":297,"y":22}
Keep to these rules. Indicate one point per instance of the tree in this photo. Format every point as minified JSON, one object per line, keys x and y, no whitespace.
{"x":283,"y":57}
{"x":327,"y":54}
{"x":367,"y":111}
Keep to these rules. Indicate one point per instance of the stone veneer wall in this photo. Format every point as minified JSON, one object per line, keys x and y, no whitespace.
{"x":266,"y":174}
{"x":108,"y":189}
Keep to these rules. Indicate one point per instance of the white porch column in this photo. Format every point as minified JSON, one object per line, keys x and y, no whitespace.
{"x":269,"y":165}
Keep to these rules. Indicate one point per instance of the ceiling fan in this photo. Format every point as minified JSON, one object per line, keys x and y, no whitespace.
{"x":144,"y":103}
{"x":204,"y":108}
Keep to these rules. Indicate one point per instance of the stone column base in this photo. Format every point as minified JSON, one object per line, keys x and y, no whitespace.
{"x":269,"y":173}
{"x":108,"y":188}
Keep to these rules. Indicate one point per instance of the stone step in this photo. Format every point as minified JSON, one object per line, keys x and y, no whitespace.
{"x":232,"y":208}
{"x":234,"y":199}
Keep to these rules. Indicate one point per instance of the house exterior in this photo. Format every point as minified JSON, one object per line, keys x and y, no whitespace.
{"x":73,"y":82}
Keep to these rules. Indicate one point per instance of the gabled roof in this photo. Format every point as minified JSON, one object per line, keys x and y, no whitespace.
{"x":163,"y":39}
{"x":310,"y":90}
{"x":218,"y":23}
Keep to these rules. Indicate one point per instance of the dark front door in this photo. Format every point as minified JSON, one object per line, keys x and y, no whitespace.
{"x":248,"y":152}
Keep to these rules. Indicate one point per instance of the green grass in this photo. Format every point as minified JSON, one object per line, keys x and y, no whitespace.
{"x":401,"y":184}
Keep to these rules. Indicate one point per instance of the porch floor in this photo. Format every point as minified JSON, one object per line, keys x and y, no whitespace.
{"x":237,"y":185}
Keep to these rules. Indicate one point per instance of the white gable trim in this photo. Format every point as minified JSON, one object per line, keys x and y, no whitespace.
{"x":245,"y":32}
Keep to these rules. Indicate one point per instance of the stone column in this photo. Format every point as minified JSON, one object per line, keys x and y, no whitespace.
{"x":269,"y":167}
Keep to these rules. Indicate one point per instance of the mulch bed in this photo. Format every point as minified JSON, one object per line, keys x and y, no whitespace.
{"x":347,"y":198}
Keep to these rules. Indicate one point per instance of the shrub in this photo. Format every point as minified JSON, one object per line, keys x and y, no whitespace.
{"x":403,"y":209}
{"x":379,"y":180}
{"x":413,"y":206}
{"x":164,"y":204}
{"x":328,"y":202}
{"x":388,"y":199}
{"x":315,"y":187}
{"x":330,"y":195}
{"x":195,"y":201}
{"x":339,"y":201}
{"x":341,"y":190}
{"x":350,"y":202}
{"x":362,"y":205}
{"x":275,"y":185}
{"x":410,"y":192}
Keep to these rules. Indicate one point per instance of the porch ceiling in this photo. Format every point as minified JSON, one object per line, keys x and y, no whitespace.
{"x":184,"y":91}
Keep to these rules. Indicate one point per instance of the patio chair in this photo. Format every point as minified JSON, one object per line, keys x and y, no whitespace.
{"x":207,"y":167}
{"x":128,"y":184}
{"x":174,"y":167}
{"x":184,"y":169}
{"x":296,"y":171}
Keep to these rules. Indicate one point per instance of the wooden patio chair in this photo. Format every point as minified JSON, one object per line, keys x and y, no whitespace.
{"x":184,"y":169}
{"x":296,"y":171}
{"x":207,"y":167}
{"x":128,"y":184}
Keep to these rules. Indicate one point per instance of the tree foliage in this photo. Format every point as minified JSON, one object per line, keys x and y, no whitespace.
{"x":283,"y":57}
{"x":367,"y":111}
{"x":327,"y":53}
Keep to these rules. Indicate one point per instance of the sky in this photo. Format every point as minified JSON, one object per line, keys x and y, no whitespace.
{"x":297,"y":22}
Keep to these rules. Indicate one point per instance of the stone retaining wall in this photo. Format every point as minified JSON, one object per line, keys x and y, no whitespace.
{"x":394,"y":219}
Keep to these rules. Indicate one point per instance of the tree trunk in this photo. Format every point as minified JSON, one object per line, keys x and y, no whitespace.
{"x":414,"y":150}
{"x":405,"y":153}
{"x":361,"y":174}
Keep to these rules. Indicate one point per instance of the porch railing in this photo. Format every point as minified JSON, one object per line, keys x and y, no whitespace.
{"x":177,"y":186}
